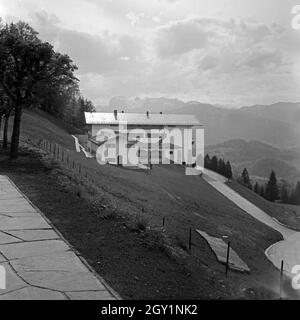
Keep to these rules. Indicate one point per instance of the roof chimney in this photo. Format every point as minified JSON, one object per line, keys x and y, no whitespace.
{"x":147,"y":114}
{"x":116,"y":114}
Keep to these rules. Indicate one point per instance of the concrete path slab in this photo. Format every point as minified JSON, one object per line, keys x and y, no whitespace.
{"x":10,"y":196}
{"x":32,"y":293}
{"x":38,"y":262}
{"x":20,"y":223}
{"x":33,"y":235}
{"x":63,"y":280}
{"x":61,"y":261}
{"x":89,"y":295}
{"x":7,"y":239}
{"x":32,"y":249}
{"x":220,"y":248}
{"x":15,"y":205}
{"x":13,"y":280}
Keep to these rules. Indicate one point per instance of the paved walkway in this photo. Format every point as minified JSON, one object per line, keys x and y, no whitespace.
{"x":218,"y":182}
{"x":287,"y":250}
{"x":220,"y":248}
{"x":39,"y":264}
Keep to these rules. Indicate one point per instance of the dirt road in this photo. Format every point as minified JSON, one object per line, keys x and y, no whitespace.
{"x":287,"y":250}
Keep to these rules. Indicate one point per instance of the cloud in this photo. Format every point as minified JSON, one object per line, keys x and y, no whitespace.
{"x":262,"y":59}
{"x":169,"y":1}
{"x":98,"y":54}
{"x":156,"y":19}
{"x":180,"y":37}
{"x":198,"y":33}
{"x":223,"y":60}
{"x":208,"y":63}
{"x":134,"y":18}
{"x":209,"y":59}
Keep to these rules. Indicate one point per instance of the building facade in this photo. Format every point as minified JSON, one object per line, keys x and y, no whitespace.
{"x":155,"y":138}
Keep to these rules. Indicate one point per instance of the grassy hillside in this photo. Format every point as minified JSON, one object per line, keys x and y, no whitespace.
{"x":125,"y":255}
{"x":40,"y":125}
{"x":286,"y":214}
{"x":259,"y":158}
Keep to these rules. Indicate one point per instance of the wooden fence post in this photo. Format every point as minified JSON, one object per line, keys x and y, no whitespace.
{"x":227,"y":258}
{"x":190,"y":239}
{"x":281,"y":280}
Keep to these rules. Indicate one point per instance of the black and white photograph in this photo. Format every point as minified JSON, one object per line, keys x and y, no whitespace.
{"x":149,"y":151}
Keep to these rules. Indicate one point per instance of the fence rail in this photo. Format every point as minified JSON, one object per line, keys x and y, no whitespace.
{"x":64,"y":156}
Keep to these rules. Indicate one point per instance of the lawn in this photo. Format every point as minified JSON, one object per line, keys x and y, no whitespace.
{"x":288,"y":215}
{"x":115,"y":222}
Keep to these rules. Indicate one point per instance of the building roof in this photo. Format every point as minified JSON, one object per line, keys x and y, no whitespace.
{"x":141,"y":119}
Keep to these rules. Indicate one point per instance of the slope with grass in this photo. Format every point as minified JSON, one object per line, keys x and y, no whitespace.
{"x":288,"y":215}
{"x":259,"y":158}
{"x":125,"y":253}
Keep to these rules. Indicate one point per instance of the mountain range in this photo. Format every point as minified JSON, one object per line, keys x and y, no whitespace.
{"x":277,"y":124}
{"x":259,"y":158}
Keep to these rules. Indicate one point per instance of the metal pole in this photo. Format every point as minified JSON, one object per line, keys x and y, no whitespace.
{"x":281,"y":280}
{"x":227,"y":258}
{"x":190,"y":239}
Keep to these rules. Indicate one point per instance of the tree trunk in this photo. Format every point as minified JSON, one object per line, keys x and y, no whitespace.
{"x":6,"y":119}
{"x":14,"y":147}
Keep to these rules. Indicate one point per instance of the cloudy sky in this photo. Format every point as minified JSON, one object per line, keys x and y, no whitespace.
{"x":225,"y":52}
